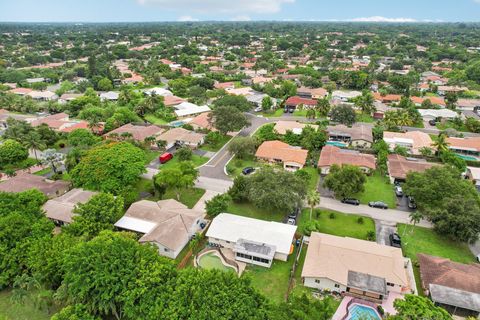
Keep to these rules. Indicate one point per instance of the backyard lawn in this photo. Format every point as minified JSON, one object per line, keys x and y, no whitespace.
{"x":215,"y":147}
{"x":155,"y":120}
{"x":423,"y":240}
{"x":196,"y":160}
{"x":249,"y":210}
{"x":272,"y":282}
{"x":14,"y":311}
{"x":378,"y":188}
{"x":343,"y":225}
{"x":235,"y":166}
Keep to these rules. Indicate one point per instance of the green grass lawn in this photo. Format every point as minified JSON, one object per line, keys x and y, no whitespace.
{"x":14,"y":311}
{"x":250,"y":211}
{"x":150,"y":155}
{"x":196,"y":160}
{"x":272,"y":282}
{"x":344,"y":225}
{"x":378,"y":188}
{"x":449,"y":124}
{"x":43,"y":171}
{"x":314,"y":177}
{"x":215,"y":147}
{"x":155,"y":120}
{"x":274,"y":114}
{"x":363,"y":117}
{"x":235,"y":166}
{"x":423,"y":240}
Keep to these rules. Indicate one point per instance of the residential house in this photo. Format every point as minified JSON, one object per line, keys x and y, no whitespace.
{"x":42,"y":95}
{"x":388,"y":98}
{"x":67,"y":97}
{"x":358,"y":135}
{"x":20,"y":91}
{"x":158,"y":91}
{"x":399,"y":166}
{"x":281,"y":127}
{"x":137,"y":132}
{"x":473,"y":173}
{"x":182,"y":137}
{"x":413,"y":141}
{"x":433,"y":114}
{"x":224,"y":85}
{"x":345,"y":96}
{"x":295,"y":102}
{"x":187,"y":109}
{"x":60,"y":210}
{"x":109,"y":96}
{"x":62,"y":122}
{"x":331,"y":155}
{"x":434,"y":100}
{"x":468,"y":104}
{"x":240,"y":91}
{"x":253,"y":241}
{"x":444,"y":90}
{"x":355,"y":267}
{"x":292,"y":158}
{"x":312,"y":93}
{"x":168,"y":224}
{"x":27,"y":181}
{"x":452,"y":285}
{"x":468,"y":147}
{"x":170,"y":101}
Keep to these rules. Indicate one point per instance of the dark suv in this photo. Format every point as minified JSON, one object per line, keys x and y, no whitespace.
{"x":411,"y":203}
{"x":378,"y":204}
{"x":248,"y":170}
{"x":353,"y":201}
{"x":395,"y":240}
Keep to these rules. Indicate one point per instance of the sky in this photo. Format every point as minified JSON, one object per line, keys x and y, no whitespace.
{"x":239,"y":10}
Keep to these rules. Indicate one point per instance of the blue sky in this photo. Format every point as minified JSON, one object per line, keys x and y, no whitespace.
{"x":282,"y":10}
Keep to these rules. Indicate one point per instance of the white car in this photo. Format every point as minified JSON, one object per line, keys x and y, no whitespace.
{"x":258,"y":109}
{"x":478,"y":257}
{"x":291,"y":221}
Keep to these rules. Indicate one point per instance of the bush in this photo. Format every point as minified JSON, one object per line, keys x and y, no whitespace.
{"x":318,"y":213}
{"x":370,"y":235}
{"x":380,"y":310}
{"x":12,"y":151}
{"x":360,"y":220}
{"x":217,"y":204}
{"x":184,"y":154}
{"x":332,"y":215}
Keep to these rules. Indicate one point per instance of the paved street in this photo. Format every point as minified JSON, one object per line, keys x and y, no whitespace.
{"x":389,"y":215}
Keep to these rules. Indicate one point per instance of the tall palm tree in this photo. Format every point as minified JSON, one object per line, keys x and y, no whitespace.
{"x":323,"y":106}
{"x":33,"y":141}
{"x":313,"y":200}
{"x":441,"y":143}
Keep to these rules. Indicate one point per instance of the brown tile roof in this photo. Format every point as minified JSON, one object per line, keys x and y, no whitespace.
{"x":272,"y":150}
{"x":201,"y":121}
{"x":295,"y":101}
{"x":333,"y":155}
{"x":172,"y":100}
{"x":182,"y":135}
{"x":296,"y":127}
{"x":138,"y":133}
{"x":357,"y":131}
{"x":399,"y":166}
{"x":472,"y":143}
{"x":26,"y":181}
{"x":61,"y":208}
{"x":441,"y":271}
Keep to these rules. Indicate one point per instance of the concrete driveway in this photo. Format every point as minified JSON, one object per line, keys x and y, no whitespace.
{"x":383,"y":230}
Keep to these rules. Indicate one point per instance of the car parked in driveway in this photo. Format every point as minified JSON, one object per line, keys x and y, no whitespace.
{"x":395,"y":240}
{"x":248,"y":170}
{"x":399,"y":191}
{"x":411,"y":203}
{"x":352,"y":201}
{"x":258,"y":109}
{"x":378,"y":204}
{"x":291,"y":222}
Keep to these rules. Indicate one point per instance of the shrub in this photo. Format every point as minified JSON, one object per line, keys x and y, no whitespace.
{"x":332,"y":215}
{"x":370,"y":235}
{"x":360,"y":220}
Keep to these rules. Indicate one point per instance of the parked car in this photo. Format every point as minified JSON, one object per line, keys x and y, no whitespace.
{"x":258,"y":109}
{"x":246,"y":171}
{"x":378,"y":204}
{"x":399,"y":191}
{"x":291,"y":222}
{"x":353,"y":201}
{"x":395,"y":240}
{"x":294,"y":214}
{"x":432,"y":122}
{"x":411,"y":203}
{"x":164,"y":158}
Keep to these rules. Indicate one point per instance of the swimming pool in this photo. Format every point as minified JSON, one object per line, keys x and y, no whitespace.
{"x":464,"y":157}
{"x":357,"y":312}
{"x":212,"y":261}
{"x":336,"y":144}
{"x":177,"y":123}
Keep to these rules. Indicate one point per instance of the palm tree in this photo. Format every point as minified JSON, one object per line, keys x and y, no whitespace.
{"x":33,"y":141}
{"x":323,"y":106}
{"x":441,"y":143}
{"x":313,"y":200}
{"x":415,"y":218}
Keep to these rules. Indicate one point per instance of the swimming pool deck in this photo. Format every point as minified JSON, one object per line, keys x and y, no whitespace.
{"x":387,"y":305}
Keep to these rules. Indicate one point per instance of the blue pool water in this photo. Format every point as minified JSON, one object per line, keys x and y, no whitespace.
{"x":177,"y":123}
{"x":464,"y":157}
{"x":336,"y":144}
{"x":357,"y":312}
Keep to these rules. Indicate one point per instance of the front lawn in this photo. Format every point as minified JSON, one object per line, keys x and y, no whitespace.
{"x":235,"y":166}
{"x":450,"y":124}
{"x":249,"y":210}
{"x":217,"y":146}
{"x":378,"y":188}
{"x":151,"y":155}
{"x":342,"y":225}
{"x":274,"y":114}
{"x":423,"y":240}
{"x":196,"y":160}
{"x":272,"y":282}
{"x":16,"y":311}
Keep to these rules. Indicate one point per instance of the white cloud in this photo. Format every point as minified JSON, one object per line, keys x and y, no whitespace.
{"x":221,"y":6}
{"x":383,"y":19}
{"x":241,"y":18}
{"x":186,"y":18}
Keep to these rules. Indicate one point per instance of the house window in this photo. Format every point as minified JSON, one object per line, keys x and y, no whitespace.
{"x":337,"y":285}
{"x":317,"y":281}
{"x":390,"y":284}
{"x":165,"y":249}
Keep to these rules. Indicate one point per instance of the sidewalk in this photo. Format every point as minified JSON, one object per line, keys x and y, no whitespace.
{"x":208,"y":195}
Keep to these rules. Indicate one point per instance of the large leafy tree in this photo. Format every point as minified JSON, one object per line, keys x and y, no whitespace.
{"x":178,"y":178}
{"x":243,"y":147}
{"x":343,"y":114}
{"x":413,"y":307}
{"x":11,"y":152}
{"x":82,"y":138}
{"x":345,"y":181}
{"x":227,"y":119}
{"x":75,"y":312}
{"x":449,"y":201}
{"x":238,"y":102}
{"x":109,"y":167}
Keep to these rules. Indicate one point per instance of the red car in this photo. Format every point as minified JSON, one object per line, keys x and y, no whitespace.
{"x":164,"y":158}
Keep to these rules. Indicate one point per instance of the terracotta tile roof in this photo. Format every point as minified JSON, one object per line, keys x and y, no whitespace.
{"x":472,"y":143}
{"x":27,"y":181}
{"x":272,"y":150}
{"x":387,"y":98}
{"x":333,"y":155}
{"x":418,"y":139}
{"x":224,"y":85}
{"x":296,"y":100}
{"x":434,"y":100}
{"x":172,"y":100}
{"x":441,"y":271}
{"x":399,"y":166}
{"x":21,"y":91}
{"x":202,"y":121}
